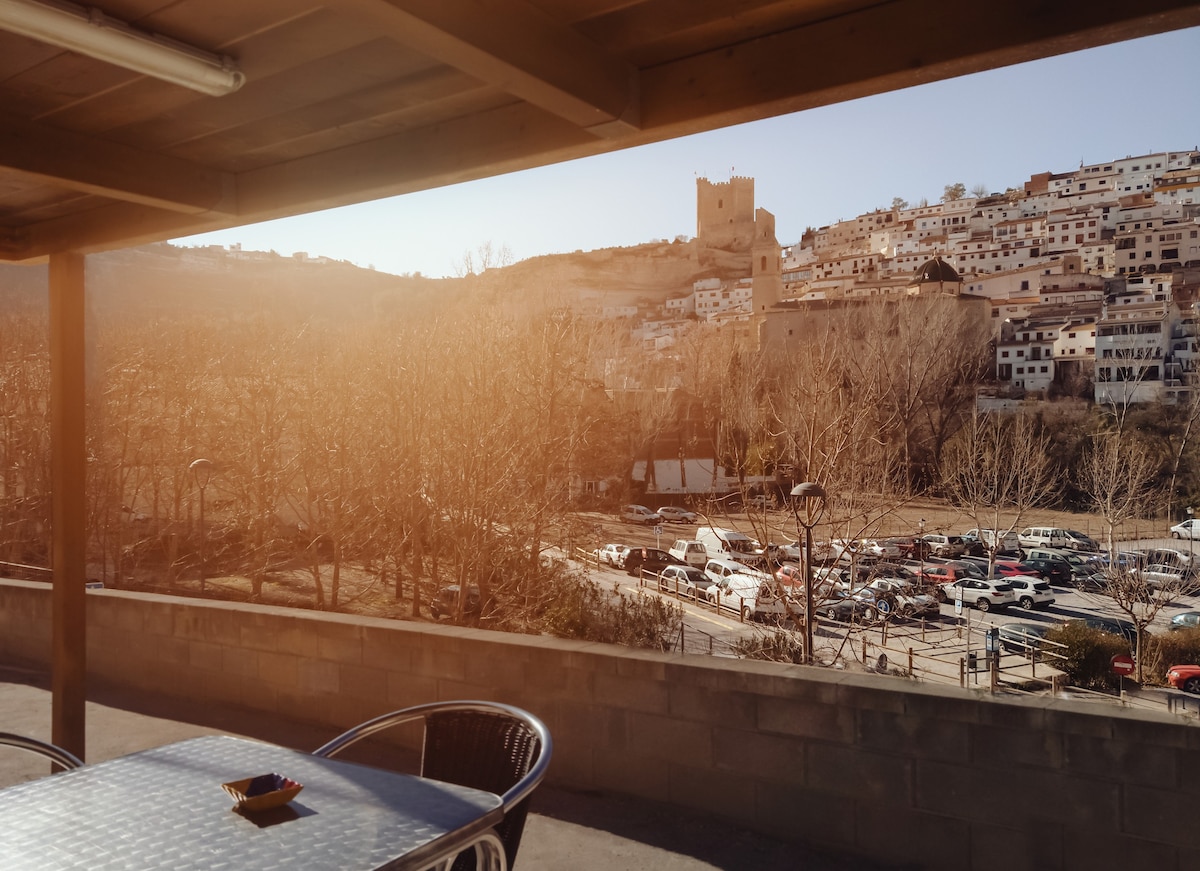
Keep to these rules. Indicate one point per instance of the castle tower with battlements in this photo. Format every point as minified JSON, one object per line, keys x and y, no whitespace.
{"x":766,"y":263}
{"x":725,"y":213}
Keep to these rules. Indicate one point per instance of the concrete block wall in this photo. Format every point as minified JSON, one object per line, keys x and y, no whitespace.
{"x":938,"y":777}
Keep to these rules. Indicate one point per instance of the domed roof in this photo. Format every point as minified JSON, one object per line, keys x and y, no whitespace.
{"x":936,"y":270}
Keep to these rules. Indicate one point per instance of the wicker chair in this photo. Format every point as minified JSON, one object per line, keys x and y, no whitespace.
{"x":64,"y":759}
{"x":482,"y":745}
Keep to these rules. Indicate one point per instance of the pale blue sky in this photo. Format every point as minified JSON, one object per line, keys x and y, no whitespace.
{"x":811,"y":168}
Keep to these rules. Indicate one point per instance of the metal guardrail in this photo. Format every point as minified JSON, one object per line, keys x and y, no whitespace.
{"x":21,"y":571}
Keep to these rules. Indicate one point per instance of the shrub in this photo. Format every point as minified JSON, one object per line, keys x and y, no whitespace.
{"x":1160,"y":652}
{"x":581,"y":608}
{"x":777,"y":646}
{"x":1089,"y":654}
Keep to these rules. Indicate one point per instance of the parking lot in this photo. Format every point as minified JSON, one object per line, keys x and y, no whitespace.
{"x":938,"y":648}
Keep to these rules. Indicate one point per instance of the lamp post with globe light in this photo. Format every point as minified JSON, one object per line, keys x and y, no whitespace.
{"x":808,"y":505}
{"x":201,"y":470}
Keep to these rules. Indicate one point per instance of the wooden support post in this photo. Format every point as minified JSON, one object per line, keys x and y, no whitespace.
{"x":68,"y":477}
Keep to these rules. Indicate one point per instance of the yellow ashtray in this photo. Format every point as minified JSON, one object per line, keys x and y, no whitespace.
{"x":263,"y":792}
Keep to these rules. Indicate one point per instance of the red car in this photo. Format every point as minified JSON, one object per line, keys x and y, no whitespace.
{"x":911,"y":547}
{"x":1184,"y":677}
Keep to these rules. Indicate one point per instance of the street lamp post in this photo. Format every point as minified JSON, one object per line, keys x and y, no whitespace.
{"x":921,"y":549}
{"x":201,"y":470}
{"x":808,"y":504}
{"x":1191,"y":536}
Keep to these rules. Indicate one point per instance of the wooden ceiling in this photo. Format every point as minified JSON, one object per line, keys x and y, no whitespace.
{"x":352,"y":100}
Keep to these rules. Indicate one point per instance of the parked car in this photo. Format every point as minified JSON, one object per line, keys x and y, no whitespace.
{"x":905,"y":598}
{"x":1057,"y":572}
{"x":910,"y":547}
{"x":693,"y":553}
{"x":1184,"y":677}
{"x":792,"y":551}
{"x":613,"y":554}
{"x":947,"y":546}
{"x":1111,"y":625}
{"x":688,"y":581}
{"x":1190,"y":528}
{"x":1185,"y":620}
{"x":1058,"y":554}
{"x":1168,"y":556}
{"x":1126,"y":561}
{"x":1087,"y":580}
{"x":1023,"y":637}
{"x":840,"y":606}
{"x":1007,"y":568}
{"x":1077,"y":540}
{"x":640,"y":514}
{"x":790,"y":575}
{"x":1031,"y":592}
{"x":675,"y":514}
{"x":732,"y":544}
{"x":739,"y":588}
{"x":1171,"y":580}
{"x":649,"y":559}
{"x":881,"y":547}
{"x":1009,"y":543}
{"x":445,"y":602}
{"x":946,"y":573}
{"x":1042,"y":536}
{"x":984,"y":593}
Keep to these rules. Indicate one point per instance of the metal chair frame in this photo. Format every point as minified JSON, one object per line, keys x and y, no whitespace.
{"x":515,"y":799}
{"x":64,"y":759}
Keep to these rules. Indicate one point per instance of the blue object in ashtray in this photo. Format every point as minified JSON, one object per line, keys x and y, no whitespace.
{"x":262,"y":792}
{"x":265,"y":783}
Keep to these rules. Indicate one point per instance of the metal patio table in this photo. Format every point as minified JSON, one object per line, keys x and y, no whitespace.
{"x":165,"y":808}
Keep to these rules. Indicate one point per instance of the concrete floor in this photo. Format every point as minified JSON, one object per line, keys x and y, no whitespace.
{"x":565,"y":830}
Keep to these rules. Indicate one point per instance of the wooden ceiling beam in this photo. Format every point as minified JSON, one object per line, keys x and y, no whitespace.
{"x":96,"y":166}
{"x":838,"y":59}
{"x":894,"y":44}
{"x":515,"y":47}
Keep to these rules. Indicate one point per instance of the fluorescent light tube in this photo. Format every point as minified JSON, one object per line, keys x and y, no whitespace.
{"x":92,"y":33}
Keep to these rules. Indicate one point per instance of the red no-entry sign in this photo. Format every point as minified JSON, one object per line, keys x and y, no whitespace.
{"x":1122,"y":664}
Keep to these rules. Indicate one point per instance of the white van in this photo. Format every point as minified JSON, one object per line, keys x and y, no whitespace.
{"x":1044,"y":536}
{"x":743,"y":590}
{"x":730,"y":543}
{"x":691,"y":552}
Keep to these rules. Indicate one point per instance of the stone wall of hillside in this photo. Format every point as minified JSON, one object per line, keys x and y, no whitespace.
{"x":898,"y":771}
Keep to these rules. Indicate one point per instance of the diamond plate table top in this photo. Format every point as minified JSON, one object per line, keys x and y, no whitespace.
{"x":164,"y":808}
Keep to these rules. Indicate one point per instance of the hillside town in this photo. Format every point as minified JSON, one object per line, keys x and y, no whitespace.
{"x":1088,"y":278}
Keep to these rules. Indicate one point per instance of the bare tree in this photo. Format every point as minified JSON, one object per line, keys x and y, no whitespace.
{"x":996,"y":470}
{"x":485,"y":256}
{"x":1190,"y":413}
{"x":1116,"y":474}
